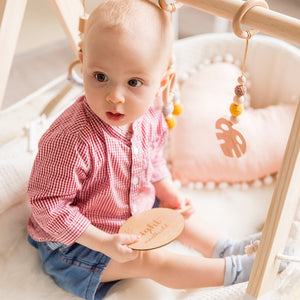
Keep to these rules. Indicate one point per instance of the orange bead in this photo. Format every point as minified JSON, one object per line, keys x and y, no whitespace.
{"x":171,"y":122}
{"x":236,"y":110}
{"x":178,"y":109}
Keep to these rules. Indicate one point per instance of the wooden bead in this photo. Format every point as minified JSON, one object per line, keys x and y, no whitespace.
{"x":234,"y":120}
{"x":236,"y":110}
{"x":238,"y":100}
{"x":240,"y":90}
{"x":168,"y":109}
{"x":82,"y":23}
{"x":242,"y":80}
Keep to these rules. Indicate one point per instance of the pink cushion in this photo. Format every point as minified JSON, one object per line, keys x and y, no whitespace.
{"x":195,"y":152}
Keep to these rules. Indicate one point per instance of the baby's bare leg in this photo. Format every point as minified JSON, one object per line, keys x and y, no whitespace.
{"x":200,"y":236}
{"x":170,"y":269}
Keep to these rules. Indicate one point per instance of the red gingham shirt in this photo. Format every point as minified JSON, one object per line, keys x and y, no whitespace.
{"x":89,"y":172}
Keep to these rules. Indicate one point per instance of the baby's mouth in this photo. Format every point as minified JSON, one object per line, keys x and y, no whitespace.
{"x":114,"y":116}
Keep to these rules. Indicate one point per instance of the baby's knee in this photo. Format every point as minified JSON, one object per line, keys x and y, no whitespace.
{"x":152,"y":260}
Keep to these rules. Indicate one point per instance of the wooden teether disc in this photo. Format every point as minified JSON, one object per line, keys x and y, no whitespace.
{"x":157,"y":227}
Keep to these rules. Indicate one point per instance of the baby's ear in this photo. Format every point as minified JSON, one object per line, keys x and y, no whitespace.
{"x":166,"y":81}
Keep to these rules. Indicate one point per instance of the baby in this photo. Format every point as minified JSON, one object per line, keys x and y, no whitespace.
{"x":101,"y":162}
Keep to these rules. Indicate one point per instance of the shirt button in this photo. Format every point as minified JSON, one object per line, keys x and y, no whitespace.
{"x":135,"y":150}
{"x":135,"y":180}
{"x":134,"y":208}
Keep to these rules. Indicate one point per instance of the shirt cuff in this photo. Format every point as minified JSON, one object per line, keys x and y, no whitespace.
{"x":160,"y":173}
{"x":73,"y":231}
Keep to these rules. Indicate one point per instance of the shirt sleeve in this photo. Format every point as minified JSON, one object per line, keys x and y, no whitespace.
{"x":160,"y":169}
{"x":58,"y":173}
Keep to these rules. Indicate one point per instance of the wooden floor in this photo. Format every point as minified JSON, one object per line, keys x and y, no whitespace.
{"x":34,"y":68}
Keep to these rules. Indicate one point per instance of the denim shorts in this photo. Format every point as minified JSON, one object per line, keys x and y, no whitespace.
{"x":76,"y":269}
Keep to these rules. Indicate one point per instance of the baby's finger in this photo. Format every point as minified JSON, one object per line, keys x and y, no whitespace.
{"x":127,"y":239}
{"x":188,"y":202}
{"x":187,"y":210}
{"x":133,"y":254}
{"x":127,"y":254}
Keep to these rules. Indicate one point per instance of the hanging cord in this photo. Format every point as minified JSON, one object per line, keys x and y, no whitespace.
{"x":82,"y":21}
{"x":246,"y":51}
{"x":236,"y":24}
{"x":84,"y":7}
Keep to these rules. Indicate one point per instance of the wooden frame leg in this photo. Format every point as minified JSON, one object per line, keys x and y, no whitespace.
{"x":2,"y":7}
{"x":12,"y":18}
{"x":68,"y":12}
{"x":279,"y":219}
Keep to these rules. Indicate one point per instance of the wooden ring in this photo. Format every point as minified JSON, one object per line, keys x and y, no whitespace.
{"x":169,"y":7}
{"x":73,"y":77}
{"x":236,"y":22}
{"x":72,"y":65}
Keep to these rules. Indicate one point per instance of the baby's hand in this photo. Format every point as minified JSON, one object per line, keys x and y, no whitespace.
{"x":187,"y":208}
{"x":117,"y":248}
{"x":180,"y":203}
{"x":170,"y":197}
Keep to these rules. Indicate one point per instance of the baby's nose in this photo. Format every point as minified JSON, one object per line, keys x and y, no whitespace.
{"x":115,"y":95}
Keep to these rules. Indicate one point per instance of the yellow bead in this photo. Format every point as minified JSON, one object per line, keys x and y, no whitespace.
{"x":178,"y":109}
{"x":236,"y":110}
{"x":171,"y":122}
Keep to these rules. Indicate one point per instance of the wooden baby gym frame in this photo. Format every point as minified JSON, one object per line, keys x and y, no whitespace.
{"x":287,"y":191}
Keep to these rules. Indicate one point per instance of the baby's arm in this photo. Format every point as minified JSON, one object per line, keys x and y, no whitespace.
{"x":53,"y":201}
{"x":170,"y":197}
{"x":112,"y":245}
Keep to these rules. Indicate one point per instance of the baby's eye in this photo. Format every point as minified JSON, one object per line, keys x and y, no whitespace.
{"x":101,"y":77}
{"x":135,"y":83}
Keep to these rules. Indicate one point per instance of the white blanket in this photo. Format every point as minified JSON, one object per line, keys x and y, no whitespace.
{"x":234,"y":211}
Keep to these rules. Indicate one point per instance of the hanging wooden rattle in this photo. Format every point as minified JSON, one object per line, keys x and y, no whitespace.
{"x":235,"y":144}
{"x":171,"y":98}
{"x":73,"y":77}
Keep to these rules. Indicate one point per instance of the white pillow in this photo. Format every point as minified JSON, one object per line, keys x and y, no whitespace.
{"x":14,"y":174}
{"x":16,"y":160}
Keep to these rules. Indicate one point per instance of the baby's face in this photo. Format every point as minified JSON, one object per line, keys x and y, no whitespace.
{"x":122,"y":76}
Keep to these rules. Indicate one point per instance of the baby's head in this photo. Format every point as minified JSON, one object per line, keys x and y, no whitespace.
{"x":127,"y":50}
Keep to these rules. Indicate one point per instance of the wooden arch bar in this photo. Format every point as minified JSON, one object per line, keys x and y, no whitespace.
{"x":265,"y":20}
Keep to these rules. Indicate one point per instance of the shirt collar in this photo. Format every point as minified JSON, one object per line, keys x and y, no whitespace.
{"x":118,"y":132}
